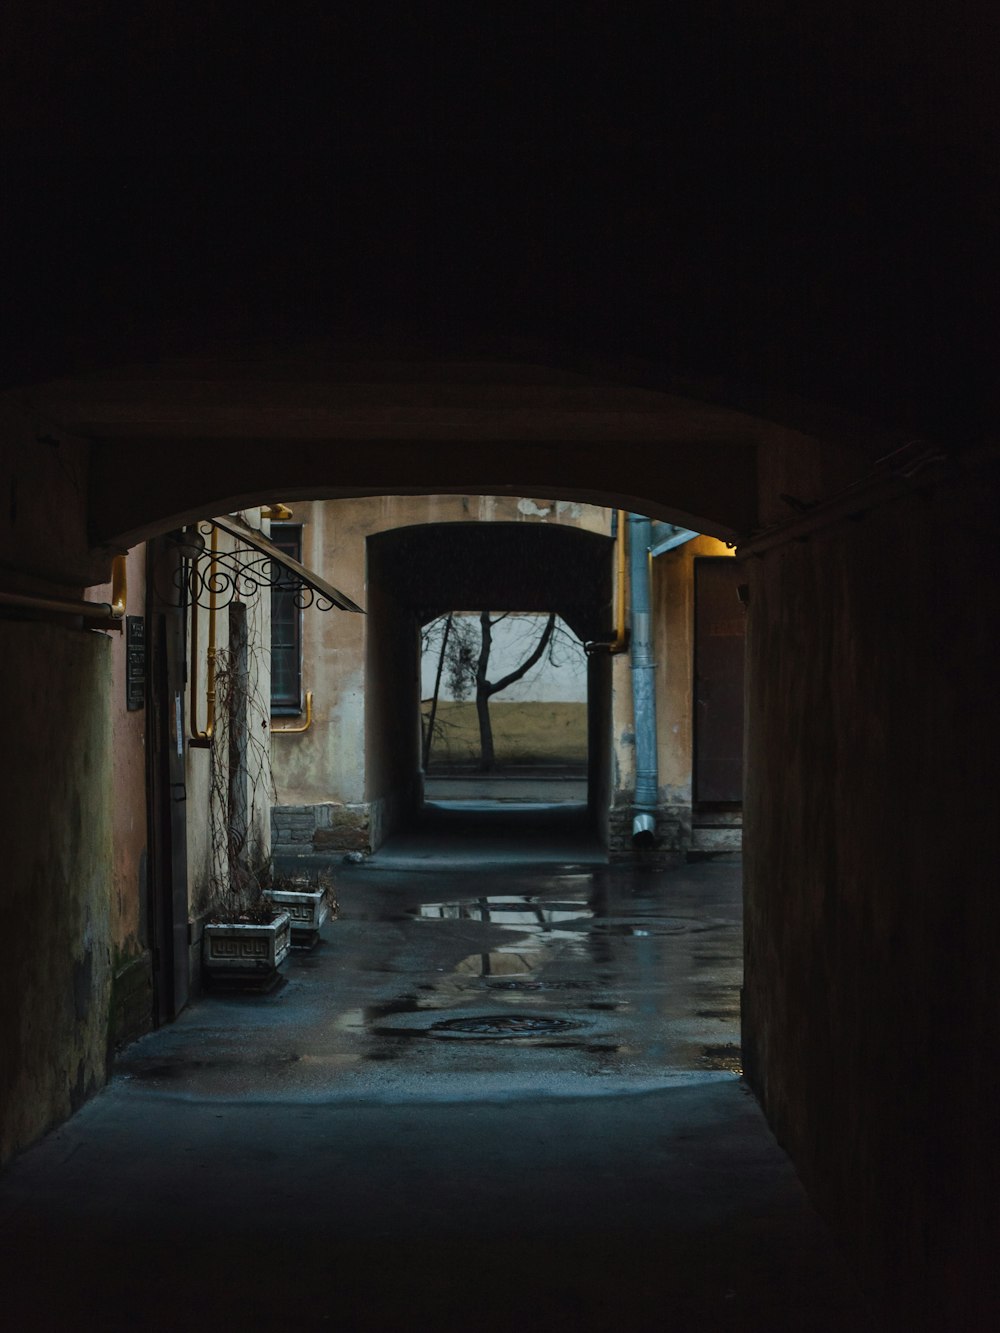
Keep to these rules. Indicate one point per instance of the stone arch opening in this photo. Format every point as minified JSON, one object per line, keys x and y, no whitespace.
{"x":417,"y":572}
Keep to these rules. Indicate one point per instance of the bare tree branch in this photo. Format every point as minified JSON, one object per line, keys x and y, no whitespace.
{"x":492,"y":688}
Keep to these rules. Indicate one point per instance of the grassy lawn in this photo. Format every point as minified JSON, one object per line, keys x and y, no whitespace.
{"x":523,"y":733}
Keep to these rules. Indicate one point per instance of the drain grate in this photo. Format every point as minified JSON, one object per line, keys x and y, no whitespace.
{"x":505,"y":1025}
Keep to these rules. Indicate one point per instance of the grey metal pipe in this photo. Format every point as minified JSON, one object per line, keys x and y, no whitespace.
{"x":93,"y":610}
{"x":104,"y":611}
{"x":643,"y":681}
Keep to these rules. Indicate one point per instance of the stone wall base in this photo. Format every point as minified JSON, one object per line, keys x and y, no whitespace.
{"x":342,"y":828}
{"x":678,"y":836}
{"x":327,"y":826}
{"x":673,"y":835}
{"x":332,"y":827}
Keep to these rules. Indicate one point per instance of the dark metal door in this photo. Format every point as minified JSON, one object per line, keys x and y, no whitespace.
{"x":720,"y":630}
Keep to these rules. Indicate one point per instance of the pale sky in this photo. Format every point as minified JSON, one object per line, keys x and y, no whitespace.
{"x":513,"y":641}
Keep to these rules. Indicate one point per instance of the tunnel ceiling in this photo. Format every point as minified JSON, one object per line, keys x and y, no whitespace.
{"x":794,"y":200}
{"x":189,"y":440}
{"x":784,"y":225}
{"x":440,"y":567}
{"x":170,"y":443}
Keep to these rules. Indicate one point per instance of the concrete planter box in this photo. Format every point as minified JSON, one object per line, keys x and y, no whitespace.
{"x":244,"y":950}
{"x":306,"y":908}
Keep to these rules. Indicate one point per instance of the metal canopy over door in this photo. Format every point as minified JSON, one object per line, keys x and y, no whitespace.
{"x":720,"y":631}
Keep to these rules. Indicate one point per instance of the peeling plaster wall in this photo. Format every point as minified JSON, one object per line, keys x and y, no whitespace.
{"x":326,"y":763}
{"x":132,"y":988}
{"x":55,"y":984}
{"x":871,"y":1010}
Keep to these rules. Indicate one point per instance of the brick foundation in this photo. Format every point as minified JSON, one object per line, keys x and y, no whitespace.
{"x":296,"y":829}
{"x":673,"y":835}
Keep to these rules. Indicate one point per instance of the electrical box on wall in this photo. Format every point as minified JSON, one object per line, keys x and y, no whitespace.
{"x":135,"y":662}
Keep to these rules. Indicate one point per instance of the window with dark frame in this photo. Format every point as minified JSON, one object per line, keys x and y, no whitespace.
{"x":286,"y":627}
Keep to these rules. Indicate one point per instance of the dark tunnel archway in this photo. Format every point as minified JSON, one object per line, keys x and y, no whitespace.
{"x":792,"y":214}
{"x":846,"y":908}
{"x":417,"y":573}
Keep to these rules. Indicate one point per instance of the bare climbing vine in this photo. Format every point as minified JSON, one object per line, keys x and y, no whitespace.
{"x":241,"y":780}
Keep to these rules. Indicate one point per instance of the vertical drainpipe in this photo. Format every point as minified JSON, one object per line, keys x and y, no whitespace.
{"x":643,"y":682}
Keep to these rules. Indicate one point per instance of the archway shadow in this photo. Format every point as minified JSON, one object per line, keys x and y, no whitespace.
{"x":451,"y":834}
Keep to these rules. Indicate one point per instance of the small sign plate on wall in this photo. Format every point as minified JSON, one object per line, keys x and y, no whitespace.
{"x":135,"y":662}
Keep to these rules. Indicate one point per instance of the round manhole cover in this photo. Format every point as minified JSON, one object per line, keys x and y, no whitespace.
{"x":504,"y":1025}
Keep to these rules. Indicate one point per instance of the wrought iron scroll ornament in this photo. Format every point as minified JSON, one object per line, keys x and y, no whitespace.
{"x":214,"y":579}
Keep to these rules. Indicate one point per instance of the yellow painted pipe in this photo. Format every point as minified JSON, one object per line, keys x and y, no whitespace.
{"x":119,"y":587}
{"x":620,"y":642}
{"x":297,"y":731}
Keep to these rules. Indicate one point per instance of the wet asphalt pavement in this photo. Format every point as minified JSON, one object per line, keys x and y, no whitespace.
{"x":499,"y":1093}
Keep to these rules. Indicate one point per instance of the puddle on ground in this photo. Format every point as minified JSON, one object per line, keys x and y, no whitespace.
{"x":564,"y":925}
{"x":541,"y":929}
{"x":497,"y":963}
{"x":727,"y":1057}
{"x":502,"y":1025}
{"x":541,"y":949}
{"x":521,"y":913}
{"x":184,"y":1068}
{"x":655,"y":926}
{"x":403,"y":1004}
{"x":536,"y":984}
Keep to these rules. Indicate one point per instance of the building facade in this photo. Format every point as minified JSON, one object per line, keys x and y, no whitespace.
{"x":347,"y":691}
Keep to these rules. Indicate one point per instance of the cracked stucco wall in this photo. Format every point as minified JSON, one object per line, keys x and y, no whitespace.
{"x":55,"y":984}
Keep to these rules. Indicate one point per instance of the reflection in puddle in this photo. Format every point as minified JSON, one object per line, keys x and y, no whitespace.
{"x":525,"y":913}
{"x":650,"y":926}
{"x":533,"y":984}
{"x":545,"y":924}
{"x":503,"y":1025}
{"x":727,"y":1057}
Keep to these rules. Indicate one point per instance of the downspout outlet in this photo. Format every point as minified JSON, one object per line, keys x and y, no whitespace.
{"x":644,"y":830}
